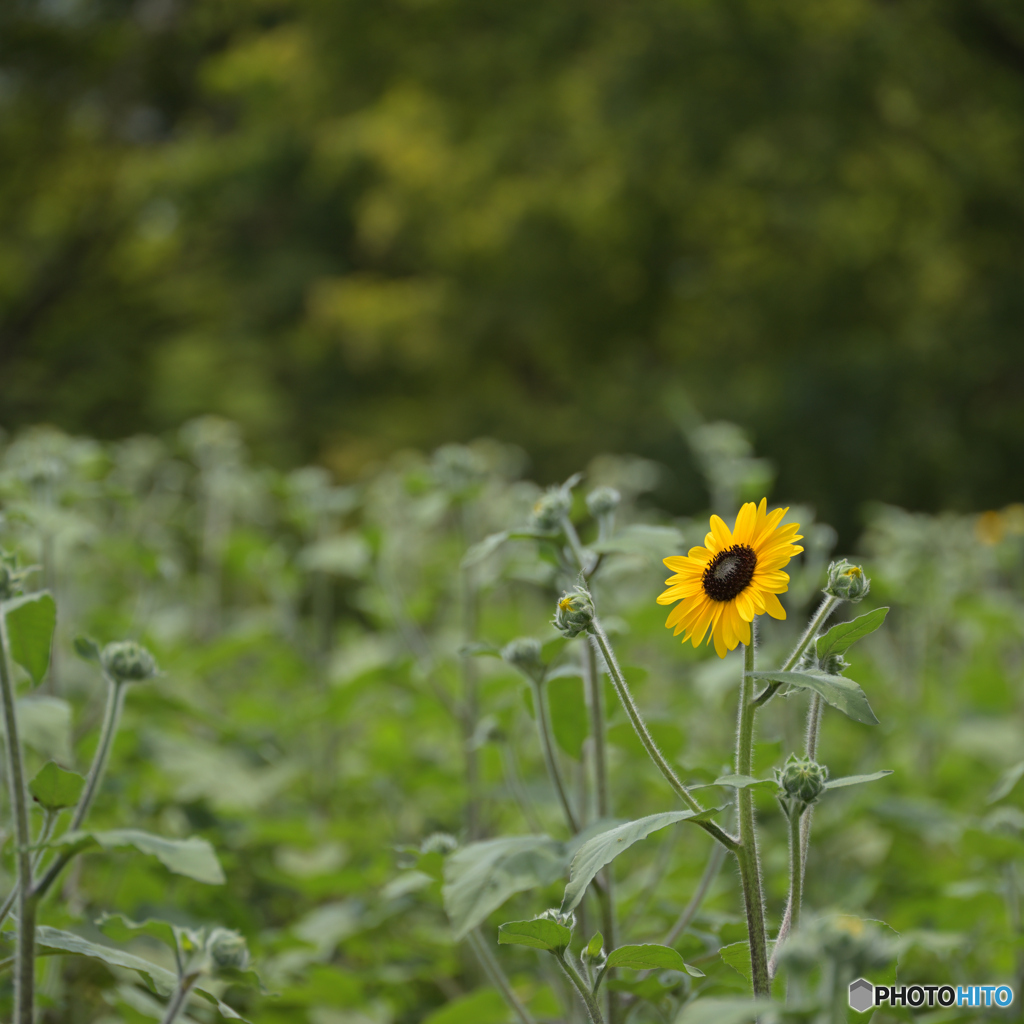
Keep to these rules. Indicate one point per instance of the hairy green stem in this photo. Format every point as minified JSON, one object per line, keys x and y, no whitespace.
{"x":747,"y":855}
{"x":177,"y":1004}
{"x":796,"y":870}
{"x":584,"y":563}
{"x":547,"y":745}
{"x":817,"y":619}
{"x":111,"y":720}
{"x":600,"y":639}
{"x":470,"y":707}
{"x":24,"y":971}
{"x":497,"y":976}
{"x":589,"y":999}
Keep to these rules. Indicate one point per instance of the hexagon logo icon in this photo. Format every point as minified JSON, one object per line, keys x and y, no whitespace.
{"x":862,"y":995}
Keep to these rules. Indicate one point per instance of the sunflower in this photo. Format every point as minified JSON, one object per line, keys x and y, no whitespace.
{"x":734,"y":577}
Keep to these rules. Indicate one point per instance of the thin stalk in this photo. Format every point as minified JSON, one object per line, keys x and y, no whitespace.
{"x":515,"y":785}
{"x":749,"y":864}
{"x":589,"y":999}
{"x":111,"y":719}
{"x":177,"y":1004}
{"x":24,"y":971}
{"x":586,"y":564}
{"x":470,"y":707}
{"x":815,"y":623}
{"x":796,"y":868}
{"x":714,"y":865}
{"x":497,"y":976}
{"x":599,"y":638}
{"x":540,"y":707}
{"x":49,"y":822}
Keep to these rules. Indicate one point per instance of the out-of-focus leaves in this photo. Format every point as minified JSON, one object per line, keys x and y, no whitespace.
{"x":54,"y":788}
{"x":856,"y":780}
{"x":30,"y":623}
{"x":193,"y":857}
{"x":44,"y":723}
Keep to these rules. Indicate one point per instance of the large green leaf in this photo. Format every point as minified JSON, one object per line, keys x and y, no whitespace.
{"x":54,"y":788}
{"x":840,"y":692}
{"x":44,"y":724}
{"x":737,"y":956}
{"x":606,"y":846}
{"x":723,"y":1011}
{"x":744,"y":782}
{"x":480,"y":877}
{"x":844,"y":635}
{"x":651,"y":957}
{"x":540,"y":933}
{"x":856,"y":780}
{"x":192,"y":857}
{"x":30,"y":623}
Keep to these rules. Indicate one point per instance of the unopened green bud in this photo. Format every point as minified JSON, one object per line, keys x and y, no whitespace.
{"x":835,"y":665}
{"x":556,"y":915}
{"x":603,"y":501}
{"x":550,"y":508}
{"x":524,"y":654}
{"x":847,"y":581}
{"x":125,"y":661}
{"x":802,"y":780}
{"x":439,"y":842}
{"x":574,"y":613}
{"x":227,"y":950}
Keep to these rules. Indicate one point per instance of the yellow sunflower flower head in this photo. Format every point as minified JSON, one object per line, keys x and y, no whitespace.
{"x":735,"y":576}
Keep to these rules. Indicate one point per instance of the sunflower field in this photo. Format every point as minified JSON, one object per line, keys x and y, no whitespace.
{"x":420,"y":749}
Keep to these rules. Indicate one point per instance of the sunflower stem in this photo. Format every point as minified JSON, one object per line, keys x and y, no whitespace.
{"x":550,"y":759}
{"x":497,"y":976}
{"x":600,"y":640}
{"x":572,"y":973}
{"x":747,"y":855}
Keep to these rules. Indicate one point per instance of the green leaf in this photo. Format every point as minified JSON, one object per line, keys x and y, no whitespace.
{"x":54,"y":942}
{"x":845,"y":634}
{"x":484,"y":548}
{"x":45,"y":725}
{"x":651,"y":957}
{"x":54,"y":788}
{"x":641,"y":539}
{"x":484,"y":1006}
{"x":743,"y":782}
{"x":606,"y":846}
{"x":87,"y":648}
{"x":540,"y":933}
{"x":737,"y":956}
{"x":30,"y":622}
{"x":192,"y":857}
{"x":569,"y":721}
{"x":1006,"y":782}
{"x":840,"y":692}
{"x":480,"y":877}
{"x":856,"y":780}
{"x":723,"y":1011}
{"x":595,"y":945}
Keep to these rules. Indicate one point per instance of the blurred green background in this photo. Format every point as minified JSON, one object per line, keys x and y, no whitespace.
{"x":356,"y":227}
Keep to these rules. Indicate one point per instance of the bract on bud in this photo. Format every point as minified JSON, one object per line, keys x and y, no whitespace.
{"x":549,"y":509}
{"x":574,"y":613}
{"x":847,"y":581}
{"x":802,"y":780}
{"x":524,"y":654}
{"x":602,"y":501}
{"x":126,"y":661}
{"x":227,"y":949}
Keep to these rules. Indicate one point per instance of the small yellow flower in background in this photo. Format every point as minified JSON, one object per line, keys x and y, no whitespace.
{"x":734,"y":577}
{"x":989,"y":527}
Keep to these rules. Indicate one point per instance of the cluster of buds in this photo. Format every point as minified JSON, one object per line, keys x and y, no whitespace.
{"x":126,"y":661}
{"x":847,"y":581}
{"x":574,"y":613}
{"x":227,"y":950}
{"x":801,"y":781}
{"x":603,"y":501}
{"x":523,"y":653}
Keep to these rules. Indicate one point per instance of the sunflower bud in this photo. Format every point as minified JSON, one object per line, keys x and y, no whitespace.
{"x":550,"y":508}
{"x":127,"y":662}
{"x":603,"y":501}
{"x":568,"y":920}
{"x":523,"y":653}
{"x":835,"y":665}
{"x":574,"y":613}
{"x":802,"y":780}
{"x":227,"y":950}
{"x":847,"y":581}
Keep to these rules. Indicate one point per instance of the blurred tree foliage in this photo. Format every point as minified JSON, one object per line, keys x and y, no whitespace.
{"x":358,"y":226}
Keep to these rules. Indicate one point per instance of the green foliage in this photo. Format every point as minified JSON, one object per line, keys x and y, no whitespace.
{"x":651,"y":956}
{"x":30,"y":623}
{"x":844,"y":635}
{"x":54,"y":788}
{"x":192,"y":857}
{"x":540,"y":933}
{"x":840,"y":692}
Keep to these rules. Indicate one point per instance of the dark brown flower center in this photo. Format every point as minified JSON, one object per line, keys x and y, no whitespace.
{"x":729,"y":572}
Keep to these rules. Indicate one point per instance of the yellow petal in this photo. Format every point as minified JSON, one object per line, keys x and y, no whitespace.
{"x":721,"y":533}
{"x":743,"y":531}
{"x":774,"y":606}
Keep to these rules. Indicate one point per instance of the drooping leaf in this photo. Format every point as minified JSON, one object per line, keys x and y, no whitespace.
{"x":55,"y":788}
{"x":643,"y":539}
{"x":737,"y":956}
{"x":484,"y":548}
{"x":44,"y":724}
{"x":480,"y":877}
{"x":568,"y":711}
{"x":856,"y":780}
{"x":844,"y":635}
{"x":30,"y":623}
{"x":540,"y":933}
{"x":723,"y":1011}
{"x":744,"y":782}
{"x":842,"y":693}
{"x":1006,"y":782}
{"x":123,"y":929}
{"x":192,"y":857}
{"x":606,"y":846}
{"x":651,"y":957}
